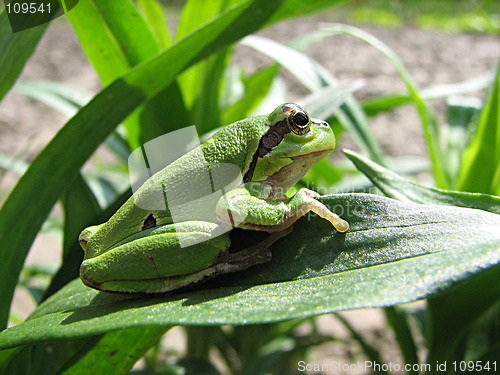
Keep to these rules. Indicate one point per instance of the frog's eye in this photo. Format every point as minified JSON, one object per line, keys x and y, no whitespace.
{"x":300,"y":122}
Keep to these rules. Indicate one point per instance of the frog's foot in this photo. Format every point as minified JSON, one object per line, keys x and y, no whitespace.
{"x":305,"y":201}
{"x":256,"y":254}
{"x":322,"y":211}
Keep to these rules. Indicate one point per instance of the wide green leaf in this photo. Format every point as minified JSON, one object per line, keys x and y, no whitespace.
{"x":155,"y":18}
{"x":113,"y":35}
{"x":394,"y":252}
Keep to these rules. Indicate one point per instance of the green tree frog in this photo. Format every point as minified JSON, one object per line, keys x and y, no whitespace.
{"x":140,"y":250}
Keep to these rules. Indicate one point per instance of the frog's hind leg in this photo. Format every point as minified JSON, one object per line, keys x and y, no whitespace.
{"x":256,"y":254}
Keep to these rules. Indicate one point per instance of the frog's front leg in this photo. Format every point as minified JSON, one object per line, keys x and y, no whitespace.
{"x":252,"y":206}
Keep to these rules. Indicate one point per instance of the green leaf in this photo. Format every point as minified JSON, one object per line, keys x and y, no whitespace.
{"x":15,"y":50}
{"x":115,"y":38}
{"x":37,"y":191}
{"x":318,"y":80}
{"x":394,"y":252}
{"x":372,"y":353}
{"x":396,"y":187}
{"x":453,"y":314}
{"x":115,"y":352}
{"x":194,"y":14}
{"x":255,"y":89}
{"x":480,"y":169}
{"x":113,"y":35}
{"x":427,"y":116}
{"x":398,"y":320}
{"x":386,"y":103}
{"x":155,"y":18}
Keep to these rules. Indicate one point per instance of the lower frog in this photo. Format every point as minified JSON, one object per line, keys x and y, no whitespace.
{"x":144,"y":251}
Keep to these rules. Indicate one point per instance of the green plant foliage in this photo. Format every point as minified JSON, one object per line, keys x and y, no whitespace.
{"x":13,"y":58}
{"x":399,"y":188}
{"x":480,"y":169}
{"x":395,"y":252}
{"x":42,"y":184}
{"x":418,"y":243}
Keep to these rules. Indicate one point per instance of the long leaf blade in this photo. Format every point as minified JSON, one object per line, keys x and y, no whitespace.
{"x":480,"y":169}
{"x":15,"y":49}
{"x":396,"y":187}
{"x":395,"y":252}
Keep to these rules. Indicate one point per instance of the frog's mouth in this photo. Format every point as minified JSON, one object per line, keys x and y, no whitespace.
{"x":291,"y":173}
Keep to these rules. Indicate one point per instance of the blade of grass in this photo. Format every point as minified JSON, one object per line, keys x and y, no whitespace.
{"x":194,"y":14}
{"x":427,"y":116}
{"x":315,"y":78}
{"x":480,"y":167}
{"x":396,"y":187}
{"x":15,"y":50}
{"x":398,"y":320}
{"x":385,"y":103}
{"x":153,"y":15}
{"x":65,"y":99}
{"x":115,"y":38}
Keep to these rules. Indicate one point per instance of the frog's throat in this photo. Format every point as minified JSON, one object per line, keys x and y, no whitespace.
{"x":283,"y":179}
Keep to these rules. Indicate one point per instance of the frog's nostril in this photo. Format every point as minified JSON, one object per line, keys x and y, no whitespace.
{"x":323,"y":123}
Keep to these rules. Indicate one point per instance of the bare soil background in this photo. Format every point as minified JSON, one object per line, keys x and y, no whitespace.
{"x":432,"y":57}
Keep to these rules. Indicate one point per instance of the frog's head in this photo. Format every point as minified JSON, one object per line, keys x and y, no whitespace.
{"x":293,"y":143}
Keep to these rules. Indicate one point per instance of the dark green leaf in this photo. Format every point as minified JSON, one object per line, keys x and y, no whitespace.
{"x":15,"y":50}
{"x":115,"y":352}
{"x":453,"y":314}
{"x":398,"y":320}
{"x":399,"y":188}
{"x":372,"y":353}
{"x":394,"y":252}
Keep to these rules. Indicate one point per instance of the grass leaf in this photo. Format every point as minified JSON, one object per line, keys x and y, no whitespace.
{"x":394,"y":252}
{"x":480,"y":168}
{"x":396,"y":187}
